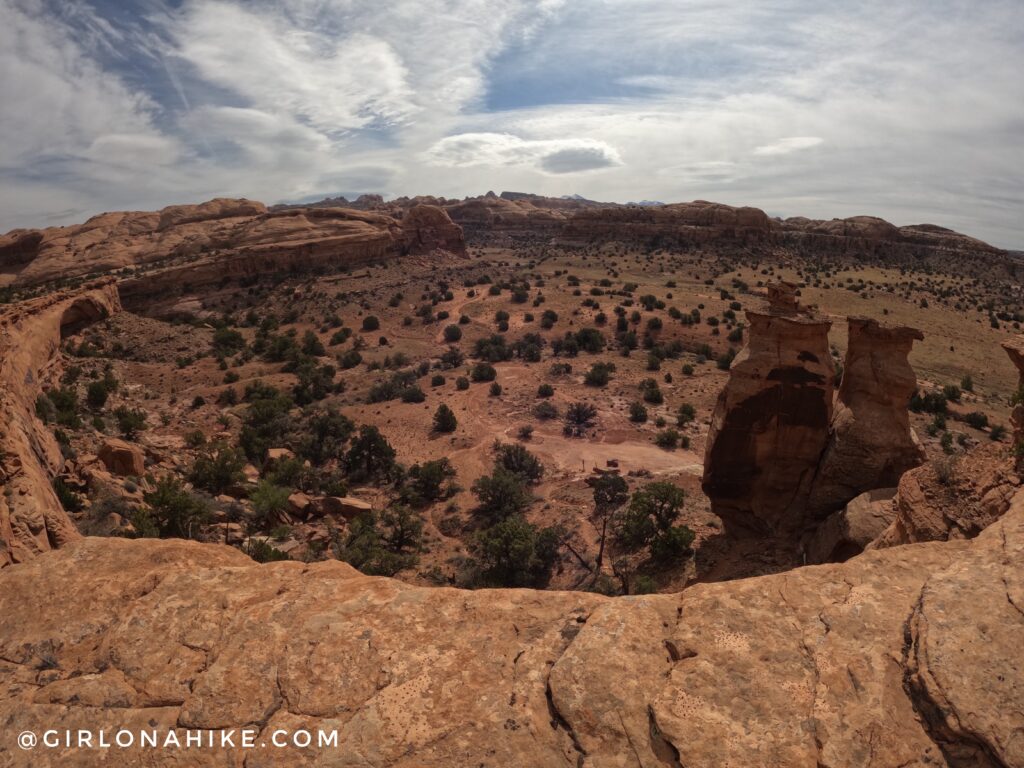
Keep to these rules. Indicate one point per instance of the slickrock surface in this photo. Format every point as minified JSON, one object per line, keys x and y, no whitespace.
{"x":219,"y":238}
{"x":904,"y":657}
{"x":871,"y":443}
{"x":31,"y":518}
{"x":770,"y":425}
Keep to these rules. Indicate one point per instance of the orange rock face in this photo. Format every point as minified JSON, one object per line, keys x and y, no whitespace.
{"x":122,"y":458}
{"x":871,"y":443}
{"x":770,"y":425}
{"x":895,"y":658}
{"x":31,"y":518}
{"x":223,"y":238}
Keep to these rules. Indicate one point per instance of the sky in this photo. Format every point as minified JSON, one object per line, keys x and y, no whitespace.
{"x":910,"y":110}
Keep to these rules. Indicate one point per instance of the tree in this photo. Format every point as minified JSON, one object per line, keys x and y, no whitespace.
{"x":269,"y":500}
{"x":483,"y":372}
{"x":96,"y":394}
{"x":312,"y":346}
{"x":378,"y":545}
{"x":610,"y":493}
{"x":452,"y":333}
{"x":637,"y":413}
{"x":227,"y":341}
{"x":175,"y":511}
{"x":217,"y":469}
{"x":428,"y":481}
{"x":371,"y":323}
{"x":130,"y":421}
{"x":444,"y":419}
{"x":579,"y":417}
{"x":370,"y":457}
{"x":501,"y":495}
{"x":516,"y":459}
{"x":514,"y":553}
{"x":650,"y":522}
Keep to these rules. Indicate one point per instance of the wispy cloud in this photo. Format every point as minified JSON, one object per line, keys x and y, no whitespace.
{"x":787,"y":145}
{"x":906,"y":110}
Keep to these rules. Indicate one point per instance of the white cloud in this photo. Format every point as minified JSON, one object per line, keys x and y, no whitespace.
{"x":904,"y":110}
{"x":555,"y":156}
{"x":791,"y":144}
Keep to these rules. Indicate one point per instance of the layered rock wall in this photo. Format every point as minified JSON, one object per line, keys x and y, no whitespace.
{"x":32,"y":520}
{"x":226,"y":235}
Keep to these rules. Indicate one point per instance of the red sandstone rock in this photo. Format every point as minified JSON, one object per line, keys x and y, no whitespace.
{"x":31,"y":518}
{"x":770,"y":425}
{"x":871,"y":443}
{"x":123,"y":458}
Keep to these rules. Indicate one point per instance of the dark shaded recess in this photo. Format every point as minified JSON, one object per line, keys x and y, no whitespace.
{"x":79,"y":315}
{"x":22,"y":250}
{"x":798,"y":401}
{"x":807,"y":357}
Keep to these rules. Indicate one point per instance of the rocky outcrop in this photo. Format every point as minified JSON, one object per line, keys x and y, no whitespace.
{"x":871,"y":443}
{"x":428,"y":228}
{"x":781,"y":456}
{"x":951,"y":499}
{"x":895,"y":658}
{"x":680,"y":223}
{"x":31,"y":518}
{"x":122,"y":458}
{"x":223,"y":238}
{"x":849,"y":531}
{"x":770,"y":425}
{"x":1015,"y":349}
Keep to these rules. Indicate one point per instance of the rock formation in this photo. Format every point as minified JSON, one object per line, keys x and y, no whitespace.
{"x":31,"y":518}
{"x":679,"y":223}
{"x":895,"y":658}
{"x":1015,"y":349}
{"x":223,"y":238}
{"x":770,"y":425}
{"x":122,"y":458}
{"x":850,"y":530}
{"x":871,"y":443}
{"x":780,"y":455}
{"x":428,"y":228}
{"x":951,"y":500}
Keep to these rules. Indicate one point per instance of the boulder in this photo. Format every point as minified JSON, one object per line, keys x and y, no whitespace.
{"x":299,"y":503}
{"x":279,"y":454}
{"x":846,"y":533}
{"x":123,"y":458}
{"x":345,"y":506}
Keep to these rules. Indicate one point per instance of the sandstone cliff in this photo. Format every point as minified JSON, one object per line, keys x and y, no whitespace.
{"x":905,"y":657}
{"x":31,"y":518}
{"x":228,"y":236}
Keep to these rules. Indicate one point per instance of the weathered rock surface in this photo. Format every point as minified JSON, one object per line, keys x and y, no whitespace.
{"x":770,"y":425}
{"x":946,"y":500}
{"x":222,"y":238}
{"x":696,"y":222}
{"x":31,"y":518}
{"x":428,"y":228}
{"x":849,"y":531}
{"x":871,"y":443}
{"x":122,"y":458}
{"x":904,"y":657}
